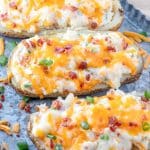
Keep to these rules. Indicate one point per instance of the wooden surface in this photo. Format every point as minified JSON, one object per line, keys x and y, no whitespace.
{"x":142,"y":5}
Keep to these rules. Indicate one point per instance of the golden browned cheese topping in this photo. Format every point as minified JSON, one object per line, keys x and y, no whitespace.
{"x":77,"y":64}
{"x":32,"y":15}
{"x":107,"y":121}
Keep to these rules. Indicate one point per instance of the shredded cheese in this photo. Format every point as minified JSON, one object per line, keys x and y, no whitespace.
{"x":2,"y":48}
{"x":136,"y":36}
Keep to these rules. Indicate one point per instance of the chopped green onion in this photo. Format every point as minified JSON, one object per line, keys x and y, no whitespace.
{"x":3,"y":60}
{"x":52,"y":137}
{"x":2,"y":89}
{"x":90,"y":99}
{"x":27,"y":85}
{"x":26,"y":99}
{"x":147,"y":94}
{"x":58,"y":147}
{"x":84,"y":125}
{"x":104,"y":137}
{"x":146,"y":126}
{"x":46,"y":62}
{"x":22,"y":145}
{"x":144,"y":33}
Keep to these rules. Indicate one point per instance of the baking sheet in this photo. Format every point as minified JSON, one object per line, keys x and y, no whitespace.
{"x":134,"y":21}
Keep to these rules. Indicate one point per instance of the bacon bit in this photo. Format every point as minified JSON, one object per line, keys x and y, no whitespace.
{"x":82,"y":65}
{"x":88,"y":77}
{"x":67,"y":122}
{"x":33,"y":45}
{"x":56,"y":105}
{"x":94,"y":25}
{"x":144,"y":99}
{"x":40,"y":42}
{"x":81,"y":85}
{"x":68,"y":48}
{"x":2,"y":98}
{"x":133,"y":124}
{"x":14,"y":25}
{"x":65,"y":49}
{"x":124,"y":44}
{"x":49,"y":42}
{"x":113,"y":123}
{"x":27,"y":108}
{"x":71,"y":8}
{"x":22,"y":105}
{"x":118,"y":134}
{"x":51,"y":144}
{"x":4,"y":16}
{"x":106,"y":60}
{"x":111,"y":49}
{"x":45,"y":69}
{"x":13,"y":5}
{"x":72,"y":75}
{"x":106,"y":39}
{"x":59,"y":50}
{"x":26,"y":44}
{"x":1,"y":105}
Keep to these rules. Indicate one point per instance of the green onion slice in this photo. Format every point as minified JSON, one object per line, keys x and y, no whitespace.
{"x":22,"y":145}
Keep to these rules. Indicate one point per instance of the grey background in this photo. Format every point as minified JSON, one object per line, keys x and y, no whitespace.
{"x":134,"y":21}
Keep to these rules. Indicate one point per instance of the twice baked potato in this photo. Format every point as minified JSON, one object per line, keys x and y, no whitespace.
{"x":118,"y":121}
{"x":80,"y":62}
{"x":25,"y":18}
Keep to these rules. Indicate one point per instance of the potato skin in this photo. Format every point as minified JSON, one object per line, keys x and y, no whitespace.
{"x":112,"y":26}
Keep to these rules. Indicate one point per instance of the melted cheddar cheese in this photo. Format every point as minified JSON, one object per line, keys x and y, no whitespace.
{"x":114,"y":120}
{"x":76,"y":62}
{"x":32,"y":15}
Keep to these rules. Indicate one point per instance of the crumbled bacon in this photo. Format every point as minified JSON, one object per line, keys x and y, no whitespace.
{"x":49,"y":42}
{"x":56,"y":105}
{"x":82,"y":65}
{"x":67,"y":122}
{"x":2,"y":98}
{"x":27,"y":108}
{"x":59,"y":50}
{"x":13,"y":5}
{"x":133,"y":124}
{"x":4,"y":16}
{"x":93,"y":25}
{"x":88,"y":77}
{"x":1,"y":105}
{"x":72,"y":75}
{"x":106,"y":60}
{"x":33,"y":44}
{"x":40,"y":42}
{"x":111,"y":49}
{"x":14,"y":25}
{"x":65,"y":49}
{"x":113,"y":123}
{"x":51,"y":144}
{"x":71,"y":8}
